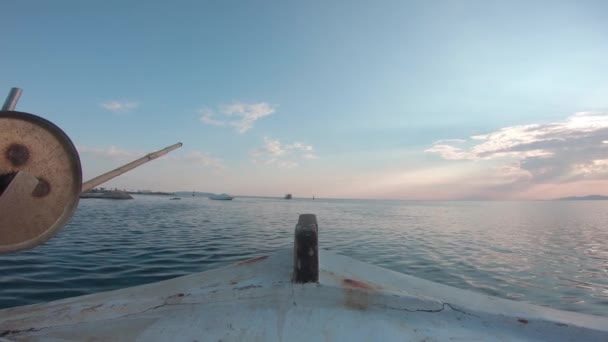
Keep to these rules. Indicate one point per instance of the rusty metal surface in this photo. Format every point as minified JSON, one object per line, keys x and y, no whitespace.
{"x":255,"y":300}
{"x":43,"y":154}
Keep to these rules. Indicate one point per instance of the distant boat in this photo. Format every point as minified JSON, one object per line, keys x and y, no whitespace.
{"x":288,"y":196}
{"x":221,"y":197}
{"x":175,"y":198}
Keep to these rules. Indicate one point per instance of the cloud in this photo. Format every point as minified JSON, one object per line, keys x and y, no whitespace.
{"x":272,"y":147}
{"x":203,"y":159}
{"x":310,"y":156}
{"x":299,"y":146}
{"x":273,"y":152}
{"x":206,"y":117}
{"x":240,"y":116}
{"x":287,"y":164}
{"x":552,"y":153}
{"x":120,"y":106}
{"x":449,"y":141}
{"x":450,"y":152}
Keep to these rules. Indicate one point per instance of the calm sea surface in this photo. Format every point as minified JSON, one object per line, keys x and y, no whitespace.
{"x":549,"y":253}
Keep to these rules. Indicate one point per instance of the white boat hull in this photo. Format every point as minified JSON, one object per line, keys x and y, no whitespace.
{"x":256,"y":300}
{"x":222,"y":197}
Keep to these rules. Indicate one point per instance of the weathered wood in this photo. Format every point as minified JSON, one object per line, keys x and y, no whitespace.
{"x":305,"y":250}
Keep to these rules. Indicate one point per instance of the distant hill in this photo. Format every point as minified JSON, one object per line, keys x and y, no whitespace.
{"x":151,"y":193}
{"x":196,"y":193}
{"x":584,"y":198}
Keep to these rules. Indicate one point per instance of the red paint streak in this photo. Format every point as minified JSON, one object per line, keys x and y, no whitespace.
{"x":251,"y":261}
{"x":357,"y":284}
{"x":523,"y":321}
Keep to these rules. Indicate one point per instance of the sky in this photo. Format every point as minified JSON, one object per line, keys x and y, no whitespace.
{"x":429,"y":100}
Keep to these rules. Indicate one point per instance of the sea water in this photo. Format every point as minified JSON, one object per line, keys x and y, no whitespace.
{"x":550,"y":253}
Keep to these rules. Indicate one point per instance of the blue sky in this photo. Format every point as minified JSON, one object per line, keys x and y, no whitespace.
{"x":336,"y":99}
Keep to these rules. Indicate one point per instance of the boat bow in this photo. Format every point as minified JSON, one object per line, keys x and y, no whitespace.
{"x":256,"y":300}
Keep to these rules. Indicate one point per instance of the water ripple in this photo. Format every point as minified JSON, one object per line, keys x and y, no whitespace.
{"x":547,"y":253}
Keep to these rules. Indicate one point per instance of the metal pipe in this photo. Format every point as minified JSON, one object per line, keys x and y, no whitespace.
{"x":90,"y":184}
{"x":11,"y":100}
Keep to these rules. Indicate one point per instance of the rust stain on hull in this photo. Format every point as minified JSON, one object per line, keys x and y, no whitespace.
{"x":357,"y":284}
{"x":252,"y":261}
{"x":357,"y":293}
{"x":357,"y":300}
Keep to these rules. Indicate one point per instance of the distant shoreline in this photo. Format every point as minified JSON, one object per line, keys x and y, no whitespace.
{"x":207,"y":194}
{"x":584,"y":198}
{"x":151,"y":193}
